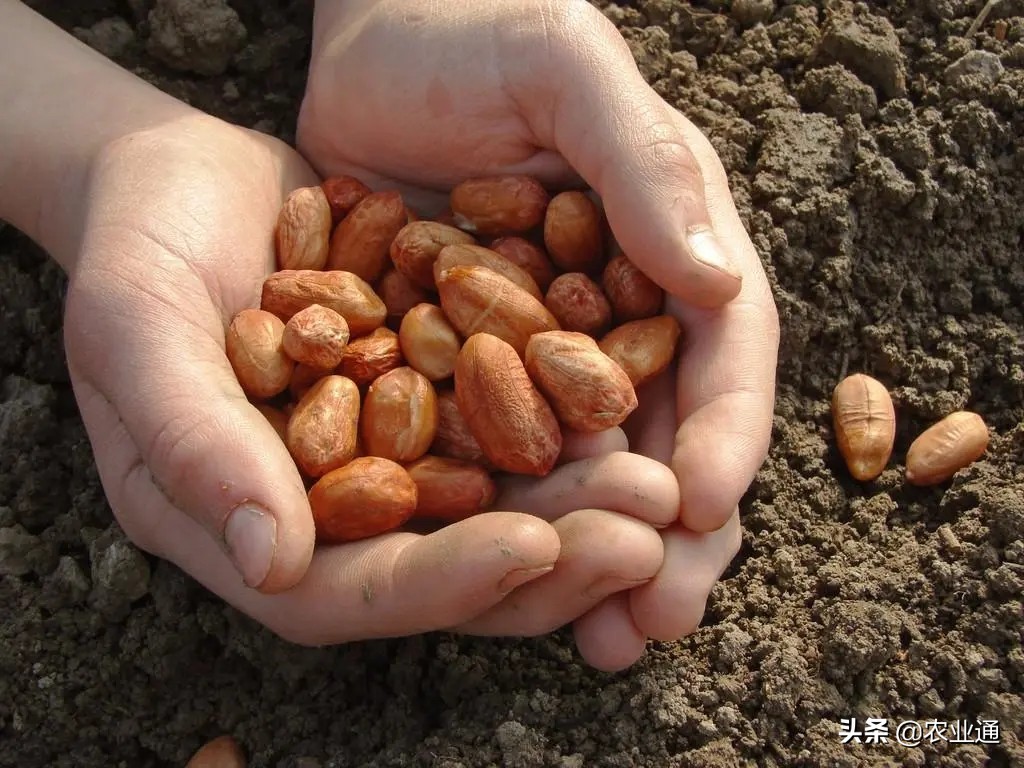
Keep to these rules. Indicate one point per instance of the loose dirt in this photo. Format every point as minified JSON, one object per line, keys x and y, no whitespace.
{"x":877,"y":156}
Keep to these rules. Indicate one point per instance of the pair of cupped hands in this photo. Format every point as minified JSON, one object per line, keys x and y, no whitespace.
{"x":627,"y":537}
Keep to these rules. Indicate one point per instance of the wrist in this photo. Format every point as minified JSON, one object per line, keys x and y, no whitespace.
{"x":63,"y":104}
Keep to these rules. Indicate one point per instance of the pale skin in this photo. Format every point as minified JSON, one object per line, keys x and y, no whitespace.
{"x":161,"y":216}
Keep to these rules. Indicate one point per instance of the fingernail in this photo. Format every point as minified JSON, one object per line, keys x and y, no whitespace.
{"x":611,"y":584}
{"x":706,"y":249}
{"x":519,"y":577}
{"x":251,"y":538}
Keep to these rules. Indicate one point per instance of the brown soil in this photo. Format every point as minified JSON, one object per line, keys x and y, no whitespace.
{"x":877,"y":155}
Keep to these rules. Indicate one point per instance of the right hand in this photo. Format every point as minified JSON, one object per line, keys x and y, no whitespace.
{"x":421,"y":95}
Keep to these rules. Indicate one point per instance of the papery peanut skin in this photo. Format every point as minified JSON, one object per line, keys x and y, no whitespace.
{"x":478,"y":300}
{"x":371,"y":356}
{"x":864,"y":421}
{"x":368,"y":496}
{"x":253,"y":346}
{"x":449,"y":489}
{"x":477,"y":255}
{"x":946,"y":447}
{"x":287,"y":291}
{"x":399,"y":419}
{"x":400,"y":294}
{"x":316,"y":336}
{"x":323,"y":427}
{"x":512,"y":422}
{"x":528,"y":257}
{"x":587,"y":390}
{"x":573,"y":234}
{"x":454,"y":439}
{"x":632,"y":295}
{"x":429,"y":342}
{"x":497,"y":205}
{"x":417,"y":246}
{"x":361,"y":241}
{"x":304,"y":377}
{"x":579,"y":304}
{"x":643,"y":348}
{"x":303,"y":230}
{"x":343,"y":194}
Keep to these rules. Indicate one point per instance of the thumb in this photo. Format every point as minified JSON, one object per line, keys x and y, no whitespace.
{"x":161,"y":378}
{"x":630,"y":146}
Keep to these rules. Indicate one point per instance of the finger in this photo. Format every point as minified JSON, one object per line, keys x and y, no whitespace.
{"x":726,"y":384}
{"x":651,"y":428}
{"x":672,"y":604}
{"x":606,"y":636}
{"x":628,"y":144}
{"x":586,"y":445}
{"x":602,"y":553}
{"x":200,"y":442}
{"x":725,"y":396}
{"x":624,"y":482}
{"x":399,"y":584}
{"x":393,"y":585}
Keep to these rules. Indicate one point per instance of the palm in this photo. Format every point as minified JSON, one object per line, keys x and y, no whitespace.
{"x":423,"y":124}
{"x":178,"y":240}
{"x":177,"y":243}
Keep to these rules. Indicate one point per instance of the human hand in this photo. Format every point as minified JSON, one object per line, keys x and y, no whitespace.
{"x":418,"y":96}
{"x":176,"y":240}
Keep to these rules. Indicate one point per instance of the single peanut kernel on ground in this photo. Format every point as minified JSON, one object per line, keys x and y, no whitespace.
{"x":864,"y":421}
{"x":946,"y":447}
{"x":221,"y":752}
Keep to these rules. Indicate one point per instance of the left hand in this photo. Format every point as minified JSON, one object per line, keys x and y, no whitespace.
{"x":418,"y":95}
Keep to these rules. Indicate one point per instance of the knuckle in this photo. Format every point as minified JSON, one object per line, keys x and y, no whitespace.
{"x":662,"y":152}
